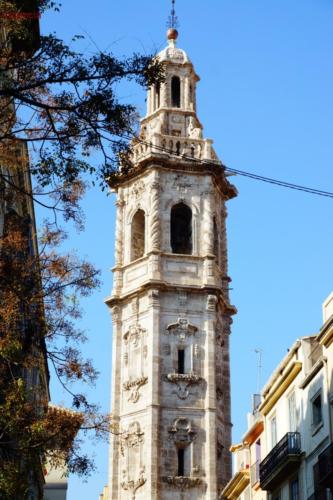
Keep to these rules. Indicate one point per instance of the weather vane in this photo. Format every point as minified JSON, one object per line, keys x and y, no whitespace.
{"x":173,"y":19}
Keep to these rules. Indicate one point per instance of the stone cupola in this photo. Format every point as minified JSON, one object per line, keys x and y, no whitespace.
{"x":171,"y":125}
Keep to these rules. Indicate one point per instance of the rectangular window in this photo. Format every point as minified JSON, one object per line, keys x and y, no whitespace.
{"x":292,"y":412}
{"x":273,"y":431}
{"x":181,"y":361}
{"x":294,"y":490}
{"x":317,"y":415}
{"x":181,"y":461}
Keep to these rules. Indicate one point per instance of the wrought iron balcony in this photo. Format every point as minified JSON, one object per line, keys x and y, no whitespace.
{"x":286,"y":455}
{"x":324,"y":469}
{"x":318,"y":495}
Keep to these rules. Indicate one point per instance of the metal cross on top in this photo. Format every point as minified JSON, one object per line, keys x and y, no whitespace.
{"x":173,"y":19}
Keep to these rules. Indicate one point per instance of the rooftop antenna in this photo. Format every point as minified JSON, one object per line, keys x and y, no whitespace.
{"x":173,"y":19}
{"x":259,"y":354}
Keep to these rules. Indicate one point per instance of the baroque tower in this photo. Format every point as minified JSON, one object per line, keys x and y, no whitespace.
{"x":170,"y":306}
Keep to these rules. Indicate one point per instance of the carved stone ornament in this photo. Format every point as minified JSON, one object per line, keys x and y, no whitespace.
{"x":133,"y":387}
{"x":182,"y":328}
{"x":182,"y":432}
{"x":132,"y":485}
{"x":182,"y":483}
{"x":137,"y":189}
{"x":153,"y":296}
{"x":131,"y":438}
{"x":211,"y":302}
{"x":134,"y":335}
{"x":182,"y":298}
{"x":175,"y":54}
{"x":183,"y":381}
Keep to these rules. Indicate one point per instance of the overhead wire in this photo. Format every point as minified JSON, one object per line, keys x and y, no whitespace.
{"x":250,"y":175}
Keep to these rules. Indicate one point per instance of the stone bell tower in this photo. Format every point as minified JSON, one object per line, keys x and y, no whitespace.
{"x":170,"y":307}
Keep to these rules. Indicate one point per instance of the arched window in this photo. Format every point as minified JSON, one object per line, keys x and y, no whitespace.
{"x":138,"y":235}
{"x":181,"y":229}
{"x":175,"y":92}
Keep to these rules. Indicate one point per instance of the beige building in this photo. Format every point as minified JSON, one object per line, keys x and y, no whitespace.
{"x":287,"y":452}
{"x":170,"y":306}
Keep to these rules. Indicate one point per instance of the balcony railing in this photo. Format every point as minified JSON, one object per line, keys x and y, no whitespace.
{"x":254,"y":472}
{"x":325,"y":468}
{"x":319,"y":495}
{"x":286,"y":454}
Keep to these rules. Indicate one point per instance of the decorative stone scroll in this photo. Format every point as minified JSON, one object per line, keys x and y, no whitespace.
{"x":133,"y":485}
{"x":133,"y":387}
{"x":134,"y":354}
{"x":137,"y":189}
{"x":182,"y":483}
{"x":183,"y":381}
{"x":134,"y":335}
{"x":182,"y":432}
{"x":211,"y":302}
{"x":132,"y":438}
{"x":182,"y":329}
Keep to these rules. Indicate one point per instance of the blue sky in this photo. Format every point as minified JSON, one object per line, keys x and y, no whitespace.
{"x":266,"y":99}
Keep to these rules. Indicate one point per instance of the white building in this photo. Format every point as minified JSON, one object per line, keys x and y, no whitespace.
{"x":56,"y":483}
{"x":170,"y":307}
{"x":287,"y":452}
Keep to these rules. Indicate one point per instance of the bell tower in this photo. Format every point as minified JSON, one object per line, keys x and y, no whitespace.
{"x":170,"y":306}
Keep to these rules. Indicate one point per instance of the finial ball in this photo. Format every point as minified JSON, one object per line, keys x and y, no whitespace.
{"x":172,"y":34}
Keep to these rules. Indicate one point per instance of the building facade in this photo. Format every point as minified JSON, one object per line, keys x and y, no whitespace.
{"x":170,"y":305}
{"x":287,"y":452}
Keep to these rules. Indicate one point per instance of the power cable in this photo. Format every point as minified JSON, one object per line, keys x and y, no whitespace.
{"x":251,"y":175}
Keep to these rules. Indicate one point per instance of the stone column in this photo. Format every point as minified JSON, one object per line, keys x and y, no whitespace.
{"x":119,"y":243}
{"x":187,"y":93}
{"x":208,"y":239}
{"x":119,"y":229}
{"x":153,"y":402}
{"x":164,"y":95}
{"x":208,"y":224}
{"x":210,"y":402}
{"x":182,"y":92}
{"x":116,"y":401}
{"x":155,"y":233}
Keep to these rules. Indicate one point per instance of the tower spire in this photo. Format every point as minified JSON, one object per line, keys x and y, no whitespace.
{"x":172,"y":33}
{"x":173,"y":19}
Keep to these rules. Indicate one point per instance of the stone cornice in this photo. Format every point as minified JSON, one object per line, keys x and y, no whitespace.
{"x":280,"y":386}
{"x":216,"y":169}
{"x":114,"y":300}
{"x":253,"y":433}
{"x":325,"y":336}
{"x":236,"y":485}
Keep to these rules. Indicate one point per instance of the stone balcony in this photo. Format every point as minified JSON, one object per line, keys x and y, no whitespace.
{"x":185,"y":147}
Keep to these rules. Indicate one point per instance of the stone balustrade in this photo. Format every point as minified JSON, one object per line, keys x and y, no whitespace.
{"x":185,"y":147}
